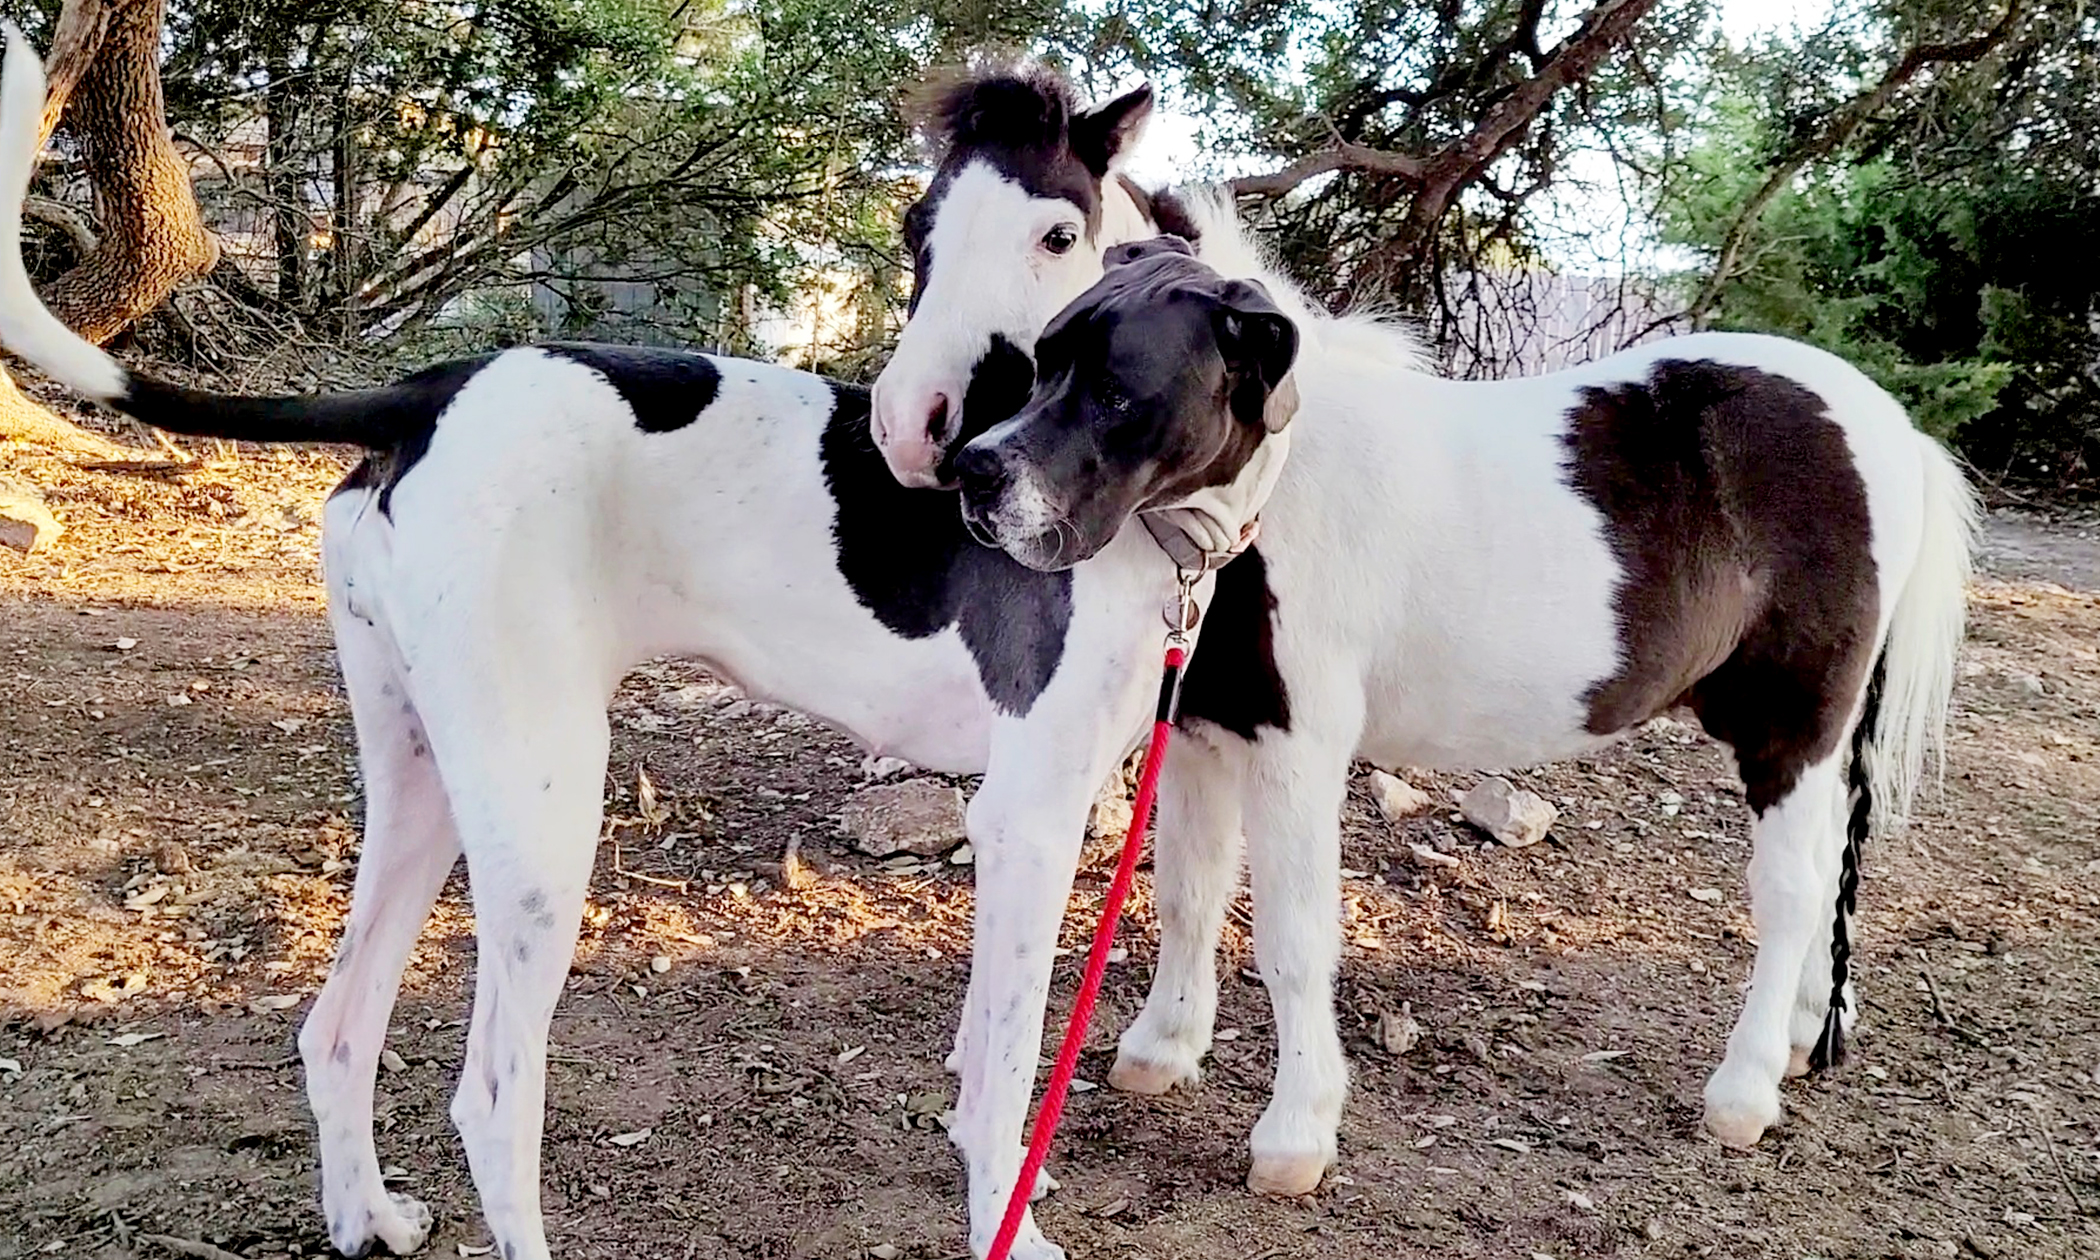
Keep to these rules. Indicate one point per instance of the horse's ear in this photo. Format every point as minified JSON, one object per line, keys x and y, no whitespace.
{"x":1151,"y":247}
{"x":1102,"y":136}
{"x":1259,"y":343}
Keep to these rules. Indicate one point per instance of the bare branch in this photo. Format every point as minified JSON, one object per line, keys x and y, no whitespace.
{"x":1439,"y":176}
{"x":1339,"y":156}
{"x":82,"y":26}
{"x":66,"y":219}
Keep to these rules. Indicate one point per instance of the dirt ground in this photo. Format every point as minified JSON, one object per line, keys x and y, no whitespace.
{"x":178,"y":826}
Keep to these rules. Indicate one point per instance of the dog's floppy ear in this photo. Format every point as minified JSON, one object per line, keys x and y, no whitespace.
{"x":1259,"y":343}
{"x":1137,"y":251}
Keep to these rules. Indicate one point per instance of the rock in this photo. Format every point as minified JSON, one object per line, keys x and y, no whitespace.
{"x":1510,"y":814}
{"x":25,"y":523}
{"x":1396,"y":797}
{"x":1426,"y":856}
{"x":918,"y":816}
{"x":1398,"y":1031}
{"x":876,"y":769}
{"x":1113,"y":810}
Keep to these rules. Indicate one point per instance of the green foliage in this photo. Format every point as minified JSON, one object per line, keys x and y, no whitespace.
{"x":391,"y":170}
{"x":1948,"y":256}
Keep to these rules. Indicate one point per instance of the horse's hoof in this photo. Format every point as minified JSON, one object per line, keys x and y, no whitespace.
{"x":1739,"y":1124}
{"x":1797,"y":1062}
{"x":1137,"y":1076}
{"x":1286,"y":1176}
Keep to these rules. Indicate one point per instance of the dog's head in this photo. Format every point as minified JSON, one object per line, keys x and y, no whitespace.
{"x":1161,"y":381}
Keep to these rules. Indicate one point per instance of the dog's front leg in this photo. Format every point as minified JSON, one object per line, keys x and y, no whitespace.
{"x":1027,"y":850}
{"x":1027,"y":823}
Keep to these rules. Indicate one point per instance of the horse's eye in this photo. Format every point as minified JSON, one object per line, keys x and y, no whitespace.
{"x":1060,"y":239}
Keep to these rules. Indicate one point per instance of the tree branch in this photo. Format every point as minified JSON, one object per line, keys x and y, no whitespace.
{"x":1439,"y":177}
{"x":1847,"y":119}
{"x":1339,"y":156}
{"x":75,"y":41}
{"x":66,"y":219}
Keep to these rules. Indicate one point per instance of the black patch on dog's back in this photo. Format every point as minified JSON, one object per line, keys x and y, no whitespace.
{"x":1742,"y":532}
{"x":909,"y":561}
{"x":1232,"y":679}
{"x":667,"y":389}
{"x":410,"y":408}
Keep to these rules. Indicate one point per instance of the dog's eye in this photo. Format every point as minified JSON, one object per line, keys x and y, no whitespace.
{"x":1060,"y":239}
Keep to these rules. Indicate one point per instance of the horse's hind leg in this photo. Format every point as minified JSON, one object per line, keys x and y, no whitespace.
{"x":1796,"y":839}
{"x":409,"y":847}
{"x":1194,"y":871}
{"x":1812,"y":996}
{"x":1293,"y":806}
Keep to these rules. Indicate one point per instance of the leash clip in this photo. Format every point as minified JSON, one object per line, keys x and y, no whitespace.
{"x":1182,"y":614}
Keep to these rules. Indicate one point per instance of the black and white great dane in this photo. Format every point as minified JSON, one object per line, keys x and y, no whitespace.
{"x":527,"y":526}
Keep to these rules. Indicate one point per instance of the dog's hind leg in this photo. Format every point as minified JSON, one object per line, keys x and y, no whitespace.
{"x":409,"y":847}
{"x":526,"y":776}
{"x":1195,"y":868}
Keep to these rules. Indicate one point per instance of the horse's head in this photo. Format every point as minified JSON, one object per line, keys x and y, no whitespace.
{"x":1023,"y":200}
{"x":1162,"y":389}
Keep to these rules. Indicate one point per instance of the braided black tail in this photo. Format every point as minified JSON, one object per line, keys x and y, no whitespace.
{"x":1830,"y":1047}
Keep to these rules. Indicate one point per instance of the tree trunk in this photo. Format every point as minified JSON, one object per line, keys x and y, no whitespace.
{"x":154,"y":236}
{"x":23,"y":419}
{"x":104,"y":76}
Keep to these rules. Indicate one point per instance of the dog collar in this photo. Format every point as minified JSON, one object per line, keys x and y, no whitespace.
{"x":1194,"y":557}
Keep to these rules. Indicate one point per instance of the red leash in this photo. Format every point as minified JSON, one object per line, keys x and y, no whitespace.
{"x":1104,"y":935}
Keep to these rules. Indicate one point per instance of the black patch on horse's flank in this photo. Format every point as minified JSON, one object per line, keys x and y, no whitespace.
{"x":910,"y":562}
{"x":667,"y":389}
{"x":1748,"y":586}
{"x":1232,"y":680}
{"x":410,"y":408}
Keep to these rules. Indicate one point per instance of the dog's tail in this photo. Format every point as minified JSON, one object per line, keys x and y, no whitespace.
{"x":1903,"y":719}
{"x":371,"y":418}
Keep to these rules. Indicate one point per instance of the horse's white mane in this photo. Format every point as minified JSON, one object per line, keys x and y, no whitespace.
{"x":1227,"y":248}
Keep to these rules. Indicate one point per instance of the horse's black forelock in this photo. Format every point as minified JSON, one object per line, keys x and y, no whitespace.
{"x":1012,"y":105}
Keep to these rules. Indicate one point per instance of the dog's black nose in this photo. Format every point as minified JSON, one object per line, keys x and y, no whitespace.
{"x":981,"y":474}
